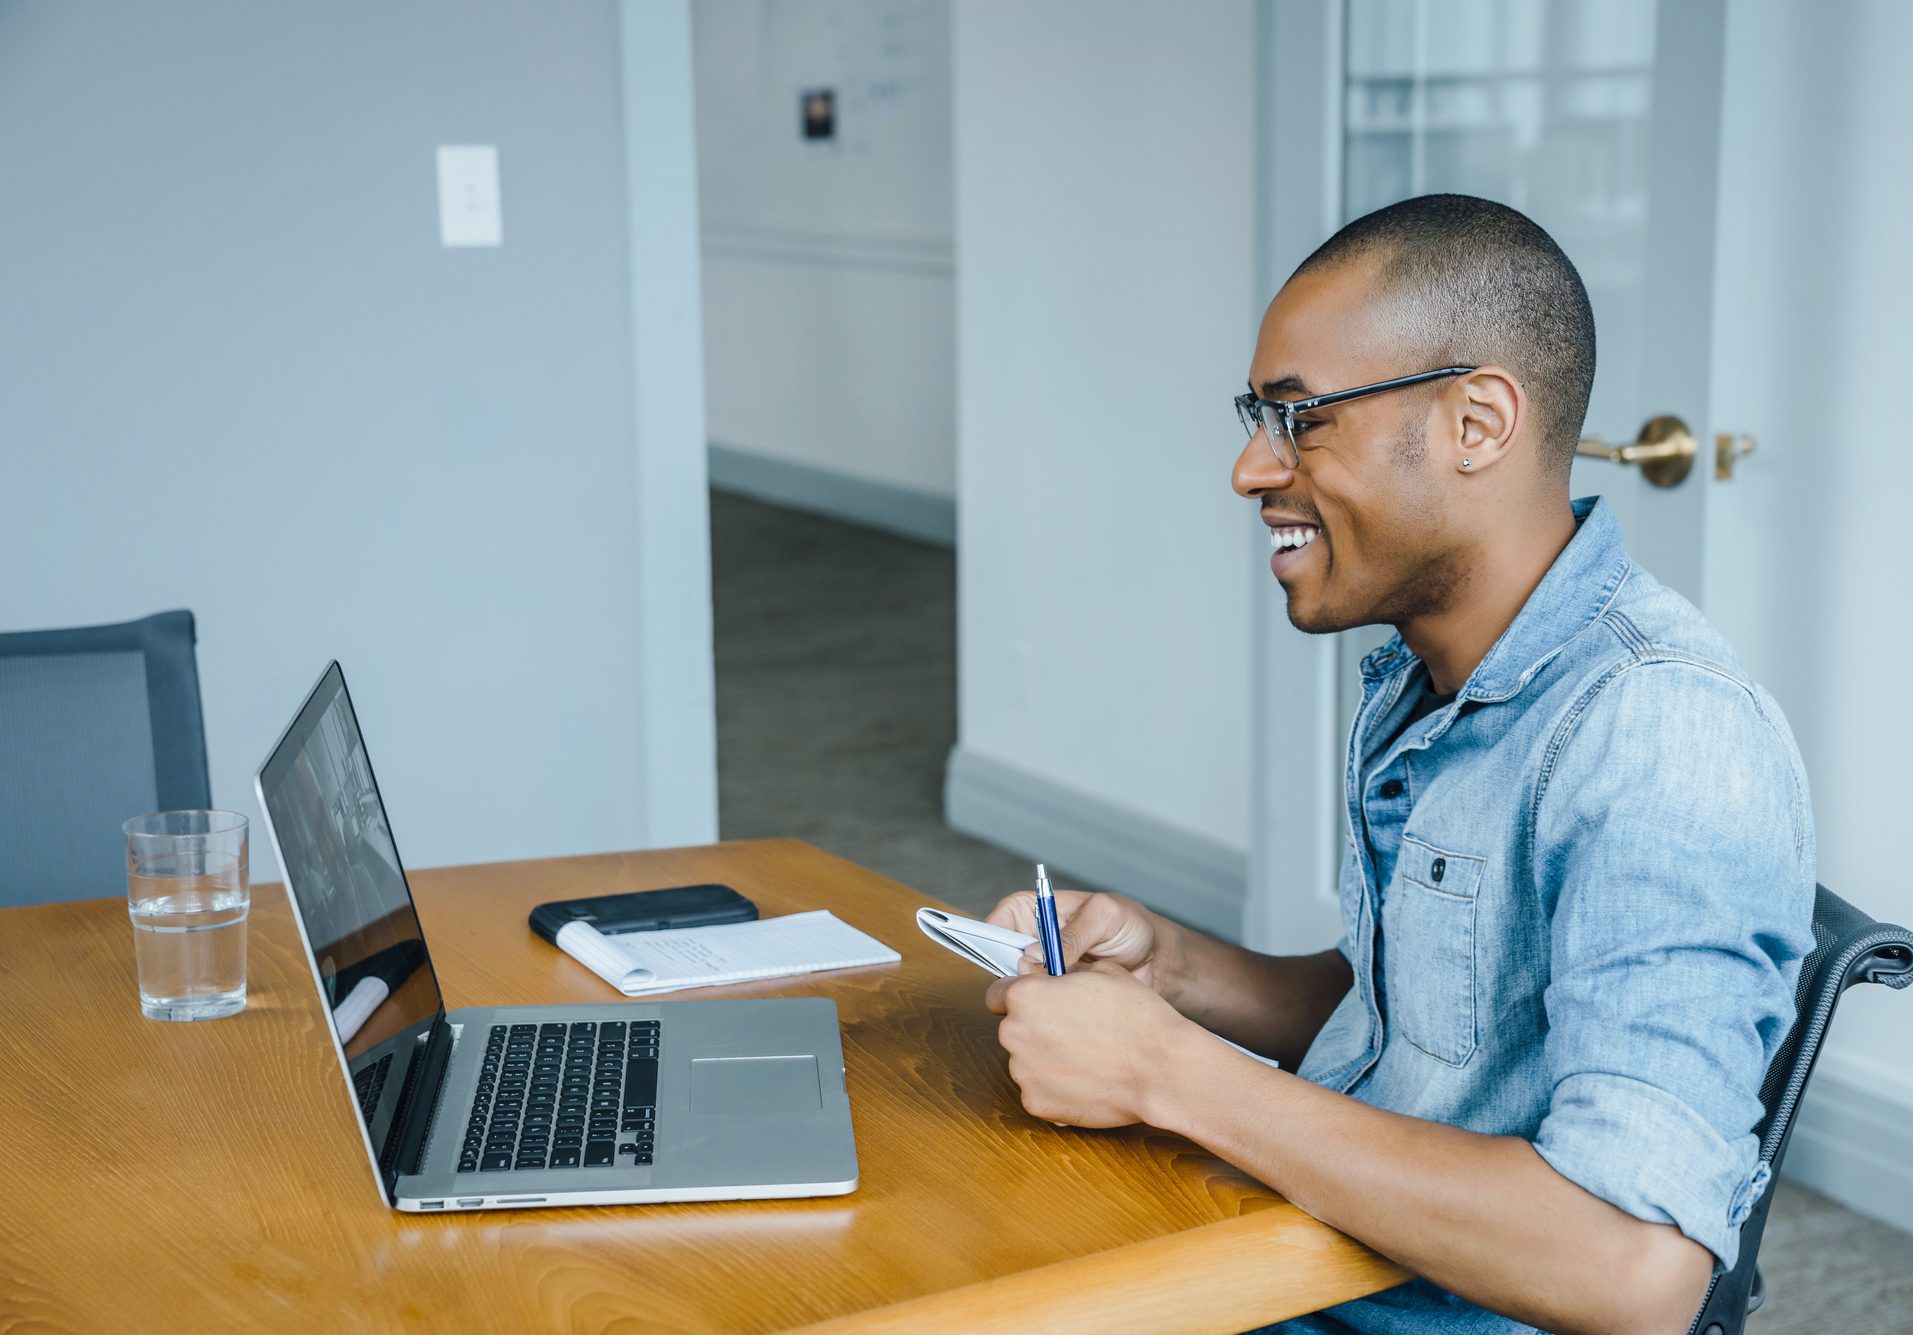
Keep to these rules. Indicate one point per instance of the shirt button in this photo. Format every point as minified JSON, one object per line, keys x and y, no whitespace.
{"x":1393,"y":788}
{"x":1435,"y":872}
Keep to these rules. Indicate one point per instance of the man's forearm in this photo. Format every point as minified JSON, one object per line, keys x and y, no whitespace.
{"x":1272,"y":1004}
{"x":1483,"y":1216}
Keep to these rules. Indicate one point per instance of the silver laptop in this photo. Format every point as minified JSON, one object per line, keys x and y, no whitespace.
{"x":503,"y":1107}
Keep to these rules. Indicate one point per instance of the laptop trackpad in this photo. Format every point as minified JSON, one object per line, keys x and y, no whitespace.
{"x":754,"y":1084}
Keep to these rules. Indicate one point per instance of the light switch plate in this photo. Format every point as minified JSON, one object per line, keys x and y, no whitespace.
{"x":469,"y":210}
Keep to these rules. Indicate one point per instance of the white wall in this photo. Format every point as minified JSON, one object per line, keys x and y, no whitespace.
{"x":1106,"y":315}
{"x":827,"y":266}
{"x":1808,"y":570}
{"x":239,"y":374}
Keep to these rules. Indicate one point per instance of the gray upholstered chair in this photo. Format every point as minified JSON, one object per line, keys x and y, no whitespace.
{"x":1848,"y":948}
{"x":97,"y":724}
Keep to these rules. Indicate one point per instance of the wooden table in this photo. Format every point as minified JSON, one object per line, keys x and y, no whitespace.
{"x":209,"y":1176}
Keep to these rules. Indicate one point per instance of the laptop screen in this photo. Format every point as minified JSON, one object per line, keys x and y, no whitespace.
{"x":348,"y":887}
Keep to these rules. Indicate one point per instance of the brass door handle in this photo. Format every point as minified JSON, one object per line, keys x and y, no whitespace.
{"x":1664,"y":450}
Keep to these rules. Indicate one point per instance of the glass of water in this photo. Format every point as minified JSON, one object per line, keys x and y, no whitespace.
{"x":187,"y":892}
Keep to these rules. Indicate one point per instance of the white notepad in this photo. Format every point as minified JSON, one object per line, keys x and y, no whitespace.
{"x":999,"y":949}
{"x":994,"y":948}
{"x":640,"y":964}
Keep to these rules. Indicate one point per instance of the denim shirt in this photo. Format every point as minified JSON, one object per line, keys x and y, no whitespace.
{"x":1575,"y":902}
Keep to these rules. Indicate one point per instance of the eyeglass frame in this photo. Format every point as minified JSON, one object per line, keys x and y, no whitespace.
{"x":1255,"y":411}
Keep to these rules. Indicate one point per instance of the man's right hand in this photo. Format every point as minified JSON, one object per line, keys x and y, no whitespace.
{"x":1095,"y":927}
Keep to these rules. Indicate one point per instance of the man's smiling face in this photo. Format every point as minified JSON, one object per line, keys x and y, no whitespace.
{"x":1361,"y":524}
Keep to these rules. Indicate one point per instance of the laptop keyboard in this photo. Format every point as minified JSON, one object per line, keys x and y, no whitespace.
{"x":369,"y":1081}
{"x":581,"y":1095}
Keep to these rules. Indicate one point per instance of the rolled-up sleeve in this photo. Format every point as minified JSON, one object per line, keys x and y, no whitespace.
{"x":1673,"y":837}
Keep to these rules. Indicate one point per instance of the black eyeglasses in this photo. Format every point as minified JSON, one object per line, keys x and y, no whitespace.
{"x":1275,"y":418}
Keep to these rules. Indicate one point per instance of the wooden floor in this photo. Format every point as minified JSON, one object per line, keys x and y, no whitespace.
{"x":836,"y":688}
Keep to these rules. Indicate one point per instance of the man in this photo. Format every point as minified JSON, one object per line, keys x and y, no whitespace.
{"x":1580,"y":875}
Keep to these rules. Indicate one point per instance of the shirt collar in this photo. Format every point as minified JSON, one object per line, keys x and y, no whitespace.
{"x":1576,"y":590}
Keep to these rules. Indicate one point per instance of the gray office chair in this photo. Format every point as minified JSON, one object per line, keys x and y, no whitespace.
{"x":1848,"y":948}
{"x":100,"y":723}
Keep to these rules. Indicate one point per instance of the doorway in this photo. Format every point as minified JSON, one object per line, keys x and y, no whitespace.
{"x":826,"y":198}
{"x":836,"y":697}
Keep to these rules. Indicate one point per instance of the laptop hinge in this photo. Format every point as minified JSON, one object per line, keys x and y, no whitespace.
{"x":418,"y":1105}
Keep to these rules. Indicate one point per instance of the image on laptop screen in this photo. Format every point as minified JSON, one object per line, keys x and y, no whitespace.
{"x":348,"y":886}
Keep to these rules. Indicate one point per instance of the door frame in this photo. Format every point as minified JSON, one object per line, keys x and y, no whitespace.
{"x":676,"y":683}
{"x":1295,"y":772}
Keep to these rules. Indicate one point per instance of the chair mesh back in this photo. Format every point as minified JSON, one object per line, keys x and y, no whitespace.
{"x":1838,"y":928}
{"x":1826,"y":939}
{"x":97,"y":724}
{"x":1848,"y":947}
{"x":76,"y":759}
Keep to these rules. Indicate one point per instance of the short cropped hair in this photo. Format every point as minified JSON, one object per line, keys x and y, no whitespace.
{"x":1482,"y":283}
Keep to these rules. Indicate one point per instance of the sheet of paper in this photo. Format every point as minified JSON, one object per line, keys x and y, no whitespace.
{"x":994,"y":948}
{"x":643,"y":963}
{"x":998,"y":949}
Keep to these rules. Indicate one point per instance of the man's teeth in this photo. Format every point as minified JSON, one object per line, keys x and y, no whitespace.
{"x":1291,"y":537}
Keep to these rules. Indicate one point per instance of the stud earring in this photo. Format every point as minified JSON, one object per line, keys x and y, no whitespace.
{"x":1464,"y":463}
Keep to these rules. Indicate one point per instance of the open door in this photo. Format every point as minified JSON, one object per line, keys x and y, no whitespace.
{"x":1601,"y":120}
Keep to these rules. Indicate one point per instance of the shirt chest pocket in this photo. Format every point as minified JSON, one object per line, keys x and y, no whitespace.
{"x":1428,"y":926}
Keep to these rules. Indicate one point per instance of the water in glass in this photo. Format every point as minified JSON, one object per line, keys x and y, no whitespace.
{"x":189,"y":933}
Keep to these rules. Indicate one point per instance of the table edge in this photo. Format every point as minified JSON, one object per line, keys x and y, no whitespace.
{"x":1212,"y":1278}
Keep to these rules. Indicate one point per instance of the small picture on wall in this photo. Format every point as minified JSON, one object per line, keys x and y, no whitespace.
{"x":819,"y":108}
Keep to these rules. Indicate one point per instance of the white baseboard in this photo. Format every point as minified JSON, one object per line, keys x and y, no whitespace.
{"x":1191,"y":878}
{"x":821,"y":491}
{"x":1854,"y":1146}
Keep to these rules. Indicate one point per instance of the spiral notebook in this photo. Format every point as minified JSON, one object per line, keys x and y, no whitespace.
{"x":642,"y":964}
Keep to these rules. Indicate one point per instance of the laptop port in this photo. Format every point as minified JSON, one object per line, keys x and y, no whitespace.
{"x":431,"y":1205}
{"x":474,"y":1200}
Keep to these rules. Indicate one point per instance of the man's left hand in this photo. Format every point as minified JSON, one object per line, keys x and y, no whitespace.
{"x":1085,"y":1048}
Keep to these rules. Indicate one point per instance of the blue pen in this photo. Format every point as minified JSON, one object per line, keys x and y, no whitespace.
{"x":1046,"y":924}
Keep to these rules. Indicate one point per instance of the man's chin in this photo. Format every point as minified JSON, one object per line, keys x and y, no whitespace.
{"x":1313,"y":619}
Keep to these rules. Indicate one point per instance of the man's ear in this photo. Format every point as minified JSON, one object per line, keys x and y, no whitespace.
{"x":1491,"y":405}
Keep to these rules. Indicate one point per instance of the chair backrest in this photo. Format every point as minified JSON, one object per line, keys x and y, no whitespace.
{"x":97,"y":724}
{"x":1848,"y":948}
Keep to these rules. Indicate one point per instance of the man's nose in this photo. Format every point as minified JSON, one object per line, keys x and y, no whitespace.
{"x":1257,"y":470}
